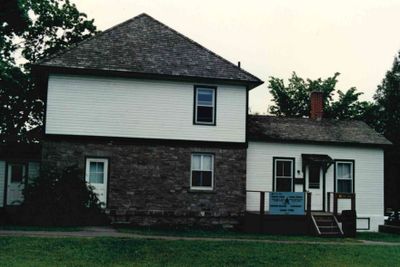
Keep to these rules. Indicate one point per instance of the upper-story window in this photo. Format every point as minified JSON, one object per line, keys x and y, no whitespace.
{"x":204,"y":105}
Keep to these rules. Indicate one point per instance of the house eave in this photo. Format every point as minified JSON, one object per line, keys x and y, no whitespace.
{"x":314,"y":142}
{"x":43,"y":69}
{"x":143,"y":141}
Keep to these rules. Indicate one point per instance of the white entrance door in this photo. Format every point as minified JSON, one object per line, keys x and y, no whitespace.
{"x":96,"y":176}
{"x":315,"y":184}
{"x":15,"y":183}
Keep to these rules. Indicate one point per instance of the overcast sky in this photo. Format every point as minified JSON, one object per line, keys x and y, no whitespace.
{"x":317,"y":38}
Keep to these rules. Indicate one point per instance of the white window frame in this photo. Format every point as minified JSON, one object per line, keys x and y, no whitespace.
{"x":284,"y":177}
{"x":205,"y":188}
{"x":105,"y":170}
{"x":346,"y":179}
{"x":205,"y":88}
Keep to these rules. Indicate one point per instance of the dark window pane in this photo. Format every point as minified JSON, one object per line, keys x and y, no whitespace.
{"x":283,"y":185}
{"x":201,"y":178}
{"x":204,"y":114}
{"x":196,"y":178}
{"x":206,"y":178}
{"x":283,"y":168}
{"x":16,"y":173}
{"x":287,"y":168}
{"x":313,"y":176}
{"x":344,"y":186}
{"x":279,"y":168}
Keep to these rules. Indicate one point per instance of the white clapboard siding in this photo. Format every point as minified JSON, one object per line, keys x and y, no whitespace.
{"x":121,"y":107}
{"x":369,"y":176}
{"x":2,"y":181}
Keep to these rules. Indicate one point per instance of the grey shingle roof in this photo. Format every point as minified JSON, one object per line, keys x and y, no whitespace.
{"x":145,"y":45}
{"x":271,"y":128}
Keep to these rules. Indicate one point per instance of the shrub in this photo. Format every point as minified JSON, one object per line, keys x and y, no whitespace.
{"x":61,"y":200}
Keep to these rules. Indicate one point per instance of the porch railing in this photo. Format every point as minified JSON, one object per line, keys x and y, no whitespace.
{"x":258,"y":201}
{"x":262,"y":199}
{"x":336,"y":197}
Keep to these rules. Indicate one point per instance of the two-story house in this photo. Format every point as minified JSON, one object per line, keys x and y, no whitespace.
{"x":159,"y":126}
{"x":155,"y":121}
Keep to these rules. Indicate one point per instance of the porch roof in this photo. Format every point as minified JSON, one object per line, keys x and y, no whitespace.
{"x":316,"y":158}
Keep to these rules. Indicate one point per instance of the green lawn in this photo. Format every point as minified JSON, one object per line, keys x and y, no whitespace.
{"x":239,"y":235}
{"x":381,"y":237}
{"x":40,"y":228}
{"x":24,"y":251}
{"x":221,"y":233}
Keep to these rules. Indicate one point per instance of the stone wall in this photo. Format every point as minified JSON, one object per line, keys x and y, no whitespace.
{"x":149,"y":184}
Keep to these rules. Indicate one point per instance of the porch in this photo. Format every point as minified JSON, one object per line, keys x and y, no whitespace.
{"x":291,"y":213}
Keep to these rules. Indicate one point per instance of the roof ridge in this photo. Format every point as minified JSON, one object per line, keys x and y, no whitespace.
{"x":201,"y":46}
{"x":88,"y":39}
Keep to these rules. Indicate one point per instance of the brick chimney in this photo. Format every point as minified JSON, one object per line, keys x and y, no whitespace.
{"x":317,"y":105}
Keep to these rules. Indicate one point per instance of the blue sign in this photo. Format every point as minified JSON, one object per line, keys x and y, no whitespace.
{"x":286,"y":203}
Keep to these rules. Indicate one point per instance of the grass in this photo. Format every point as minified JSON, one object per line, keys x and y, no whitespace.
{"x":40,"y":228}
{"x":229,"y":234}
{"x":24,"y":251}
{"x":381,"y":237}
{"x":219,"y":233}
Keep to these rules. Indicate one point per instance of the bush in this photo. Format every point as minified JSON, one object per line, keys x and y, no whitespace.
{"x":61,"y":200}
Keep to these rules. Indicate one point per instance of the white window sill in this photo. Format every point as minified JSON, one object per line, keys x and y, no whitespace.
{"x":201,"y":190}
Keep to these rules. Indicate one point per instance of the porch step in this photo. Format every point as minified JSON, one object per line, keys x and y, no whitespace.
{"x":327,"y":225}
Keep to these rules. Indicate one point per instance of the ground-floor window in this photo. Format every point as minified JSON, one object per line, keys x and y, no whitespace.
{"x":283,"y":174}
{"x":202,"y":171}
{"x":344,"y":171}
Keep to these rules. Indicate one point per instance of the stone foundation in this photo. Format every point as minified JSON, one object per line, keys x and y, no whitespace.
{"x":149,"y":184}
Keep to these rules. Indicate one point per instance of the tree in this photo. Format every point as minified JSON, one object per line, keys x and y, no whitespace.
{"x":293,"y":100}
{"x":29,"y":31}
{"x":387,"y":98}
